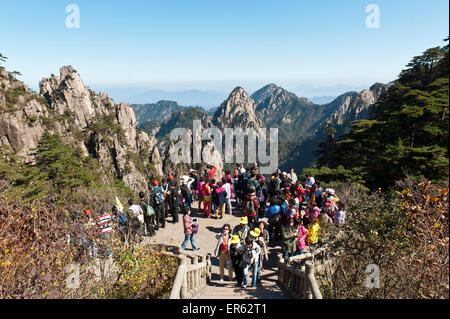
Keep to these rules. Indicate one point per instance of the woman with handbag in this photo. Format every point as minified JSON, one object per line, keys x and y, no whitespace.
{"x":188,"y":233}
{"x":222,"y":251}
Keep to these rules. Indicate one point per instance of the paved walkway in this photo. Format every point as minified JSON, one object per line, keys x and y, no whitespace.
{"x":173,"y":235}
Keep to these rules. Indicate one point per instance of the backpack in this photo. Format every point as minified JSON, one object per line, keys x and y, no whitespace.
{"x":122,"y":219}
{"x":159,"y":198}
{"x":250,"y":183}
{"x":149,"y":212}
{"x":274,"y":185}
{"x":207,"y":176}
{"x":194,"y":184}
{"x":215,"y":196}
{"x":250,"y":207}
{"x":184,"y":191}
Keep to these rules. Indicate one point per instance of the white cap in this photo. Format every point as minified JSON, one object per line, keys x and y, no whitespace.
{"x":191,"y":170}
{"x":284,"y":173}
{"x":242,"y":170}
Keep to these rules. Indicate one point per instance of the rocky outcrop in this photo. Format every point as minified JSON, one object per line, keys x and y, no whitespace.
{"x":281,"y":107}
{"x":90,"y":121}
{"x":237,"y":111}
{"x":349,"y":107}
{"x":264,"y":93}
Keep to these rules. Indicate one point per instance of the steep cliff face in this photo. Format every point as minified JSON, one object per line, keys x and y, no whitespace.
{"x":84,"y":119}
{"x":293,"y":116}
{"x":338,"y":114}
{"x":282,"y":107}
{"x":264,"y":92}
{"x":349,"y":107}
{"x":237,"y":111}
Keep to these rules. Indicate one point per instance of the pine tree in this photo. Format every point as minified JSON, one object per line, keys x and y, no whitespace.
{"x":407,"y":132}
{"x":63,"y":166}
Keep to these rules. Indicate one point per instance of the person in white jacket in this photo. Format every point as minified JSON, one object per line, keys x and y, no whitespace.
{"x":227,"y":187}
{"x":222,"y":251}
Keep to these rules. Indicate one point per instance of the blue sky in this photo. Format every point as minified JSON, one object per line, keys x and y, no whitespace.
{"x":216,"y":45}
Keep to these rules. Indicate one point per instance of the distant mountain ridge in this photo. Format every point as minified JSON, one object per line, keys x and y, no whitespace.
{"x":301,"y":123}
{"x":160,"y":111}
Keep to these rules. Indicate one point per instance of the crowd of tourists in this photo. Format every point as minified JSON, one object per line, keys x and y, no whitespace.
{"x":280,"y":209}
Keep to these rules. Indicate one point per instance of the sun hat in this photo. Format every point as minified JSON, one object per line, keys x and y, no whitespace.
{"x":255,"y":232}
{"x":244,"y":220}
{"x":155,"y":182}
{"x":184,"y":179}
{"x":235,"y":239}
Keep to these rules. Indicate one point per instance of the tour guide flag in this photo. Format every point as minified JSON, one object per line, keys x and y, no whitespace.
{"x":119,"y":204}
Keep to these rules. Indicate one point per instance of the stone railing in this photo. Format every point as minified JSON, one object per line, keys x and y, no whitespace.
{"x":302,"y":284}
{"x":194,"y":274}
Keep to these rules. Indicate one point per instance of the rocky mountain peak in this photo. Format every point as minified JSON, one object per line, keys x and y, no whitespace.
{"x":238,"y":110}
{"x":264,"y":93}
{"x":84,"y":119}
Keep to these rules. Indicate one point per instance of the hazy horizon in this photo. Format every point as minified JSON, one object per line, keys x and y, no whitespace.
{"x":320,"y":48}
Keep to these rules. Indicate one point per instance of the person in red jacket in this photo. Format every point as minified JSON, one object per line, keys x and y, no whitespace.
{"x":206,"y":190}
{"x":251,"y":206}
{"x":212,"y":170}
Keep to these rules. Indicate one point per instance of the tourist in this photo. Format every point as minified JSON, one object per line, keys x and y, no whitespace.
{"x":302,"y":234}
{"x":293,"y":176}
{"x":227,"y":185}
{"x":339,"y":216}
{"x":310,"y":181}
{"x":194,"y":185}
{"x":174,"y":202}
{"x":222,"y":251}
{"x":157,"y":201}
{"x":251,"y":207}
{"x":313,"y":231}
{"x":242,"y":229}
{"x":262,"y":195}
{"x":188,"y":232}
{"x":122,"y":222}
{"x":206,"y":191}
{"x":289,"y":234}
{"x":285,"y":181}
{"x":251,"y":252}
{"x":220,"y":199}
{"x":200,"y":192}
{"x":240,"y":186}
{"x":149,"y":220}
{"x":136,"y":217}
{"x":273,"y":215}
{"x":236,"y":259}
{"x":263,"y":242}
{"x":186,"y":192}
{"x":211,"y":170}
